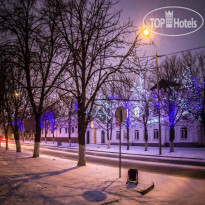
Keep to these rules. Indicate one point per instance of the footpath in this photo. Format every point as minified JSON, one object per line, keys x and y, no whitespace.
{"x":55,"y":181}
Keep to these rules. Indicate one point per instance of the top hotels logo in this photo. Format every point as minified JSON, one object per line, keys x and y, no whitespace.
{"x":173,"y":21}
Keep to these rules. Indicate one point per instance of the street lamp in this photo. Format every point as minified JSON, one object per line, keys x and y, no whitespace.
{"x":147,"y":34}
{"x":16,"y":94}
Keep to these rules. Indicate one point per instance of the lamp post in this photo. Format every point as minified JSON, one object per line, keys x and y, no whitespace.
{"x":147,"y":34}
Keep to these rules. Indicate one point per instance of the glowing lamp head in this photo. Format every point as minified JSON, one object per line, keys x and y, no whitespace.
{"x":16,"y":94}
{"x":146,"y":32}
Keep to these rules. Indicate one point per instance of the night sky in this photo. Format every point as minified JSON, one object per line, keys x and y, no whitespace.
{"x":137,"y":9}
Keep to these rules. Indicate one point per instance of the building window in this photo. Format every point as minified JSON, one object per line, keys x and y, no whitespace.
{"x":183,"y":133}
{"x":125,"y":136}
{"x":60,"y":130}
{"x":66,"y":130}
{"x":103,"y":137}
{"x":156,"y":134}
{"x":118,"y":135}
{"x":137,"y":136}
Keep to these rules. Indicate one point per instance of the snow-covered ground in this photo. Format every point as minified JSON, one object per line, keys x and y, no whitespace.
{"x":51,"y":180}
{"x":181,"y":152}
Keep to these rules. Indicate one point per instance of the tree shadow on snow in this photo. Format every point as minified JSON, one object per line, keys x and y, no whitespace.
{"x":94,"y":196}
{"x":10,"y":184}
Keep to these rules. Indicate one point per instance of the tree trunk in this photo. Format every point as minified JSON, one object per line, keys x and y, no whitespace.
{"x":108,"y":136}
{"x":171,"y":146}
{"x":108,"y":144}
{"x":36,"y":149}
{"x":18,"y":145}
{"x":69,"y":126}
{"x":7,"y":139}
{"x":53,"y":137}
{"x":24,"y":136}
{"x":7,"y":143}
{"x":172,"y":139}
{"x":146,"y":147}
{"x":69,"y":136}
{"x":146,"y":138}
{"x":128,"y":138}
{"x":203,"y":136}
{"x":81,"y":137}
{"x":45,"y":132}
{"x":17,"y":140}
{"x":37,"y":136}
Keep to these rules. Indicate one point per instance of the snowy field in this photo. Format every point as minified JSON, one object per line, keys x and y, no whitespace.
{"x":52,"y":180}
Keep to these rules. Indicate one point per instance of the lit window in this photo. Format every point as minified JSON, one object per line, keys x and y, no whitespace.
{"x":92,"y":124}
{"x":136,"y":134}
{"x":184,"y":133}
{"x":137,"y":112}
{"x":156,"y":134}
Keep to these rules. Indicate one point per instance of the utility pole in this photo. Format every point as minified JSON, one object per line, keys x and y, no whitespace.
{"x":158,"y":99}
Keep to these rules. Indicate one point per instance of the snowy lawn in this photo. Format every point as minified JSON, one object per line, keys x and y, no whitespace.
{"x":52,"y":180}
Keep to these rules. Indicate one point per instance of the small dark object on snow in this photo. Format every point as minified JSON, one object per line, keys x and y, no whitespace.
{"x":132,"y":176}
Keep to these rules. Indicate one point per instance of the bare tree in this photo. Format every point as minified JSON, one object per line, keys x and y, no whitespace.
{"x":106,"y":105}
{"x":96,"y":40}
{"x":15,"y":104}
{"x":124,"y":93}
{"x":68,"y":107}
{"x":194,"y":80}
{"x":13,"y":99}
{"x":3,"y":114}
{"x":143,"y":104}
{"x":30,"y":27}
{"x":172,"y":93}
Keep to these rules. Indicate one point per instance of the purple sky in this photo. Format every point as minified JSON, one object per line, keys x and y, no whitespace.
{"x":137,"y":9}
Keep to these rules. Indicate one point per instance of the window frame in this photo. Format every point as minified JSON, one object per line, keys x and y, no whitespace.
{"x":184,"y":132}
{"x":156,"y":137}
{"x":125,"y":136}
{"x":137,"y":135}
{"x":117,"y":135}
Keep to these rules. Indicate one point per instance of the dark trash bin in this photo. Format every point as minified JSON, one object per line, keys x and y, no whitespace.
{"x":132,"y":176}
